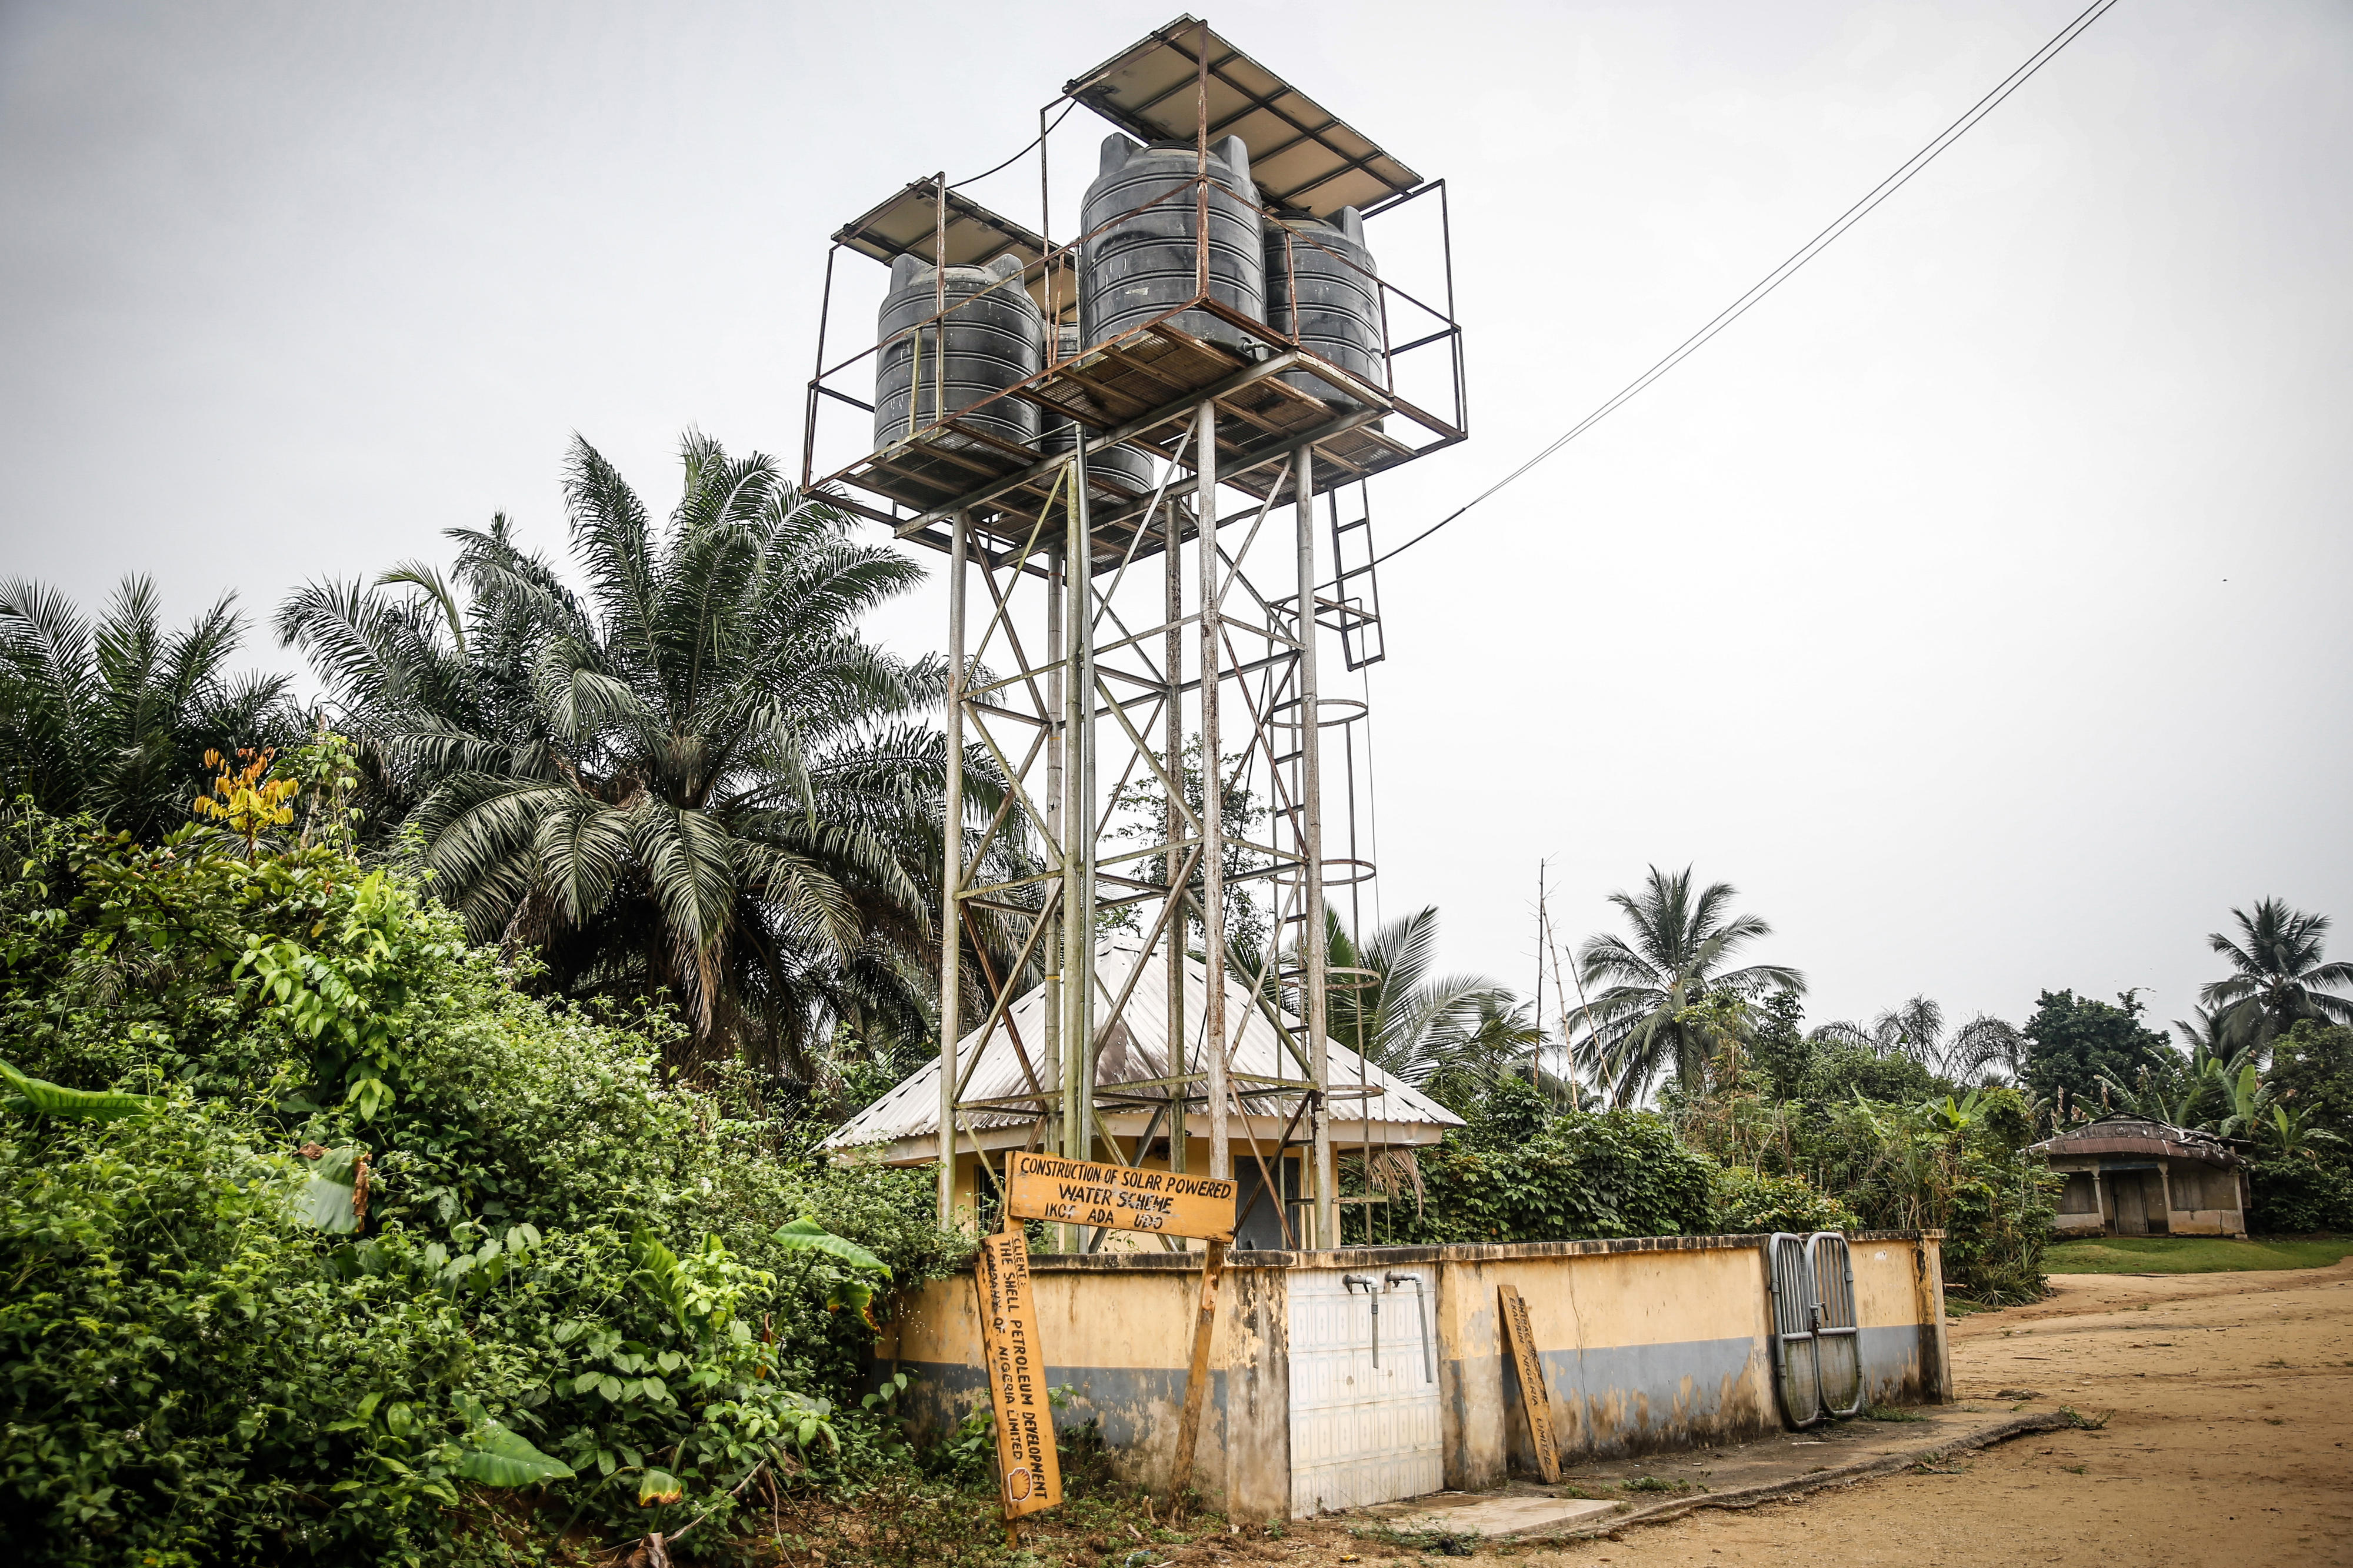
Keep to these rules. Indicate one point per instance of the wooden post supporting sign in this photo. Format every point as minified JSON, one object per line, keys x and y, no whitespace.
{"x":1163,"y":1203}
{"x":1536,"y":1398}
{"x":1026,"y":1462}
{"x":1197,"y":1372}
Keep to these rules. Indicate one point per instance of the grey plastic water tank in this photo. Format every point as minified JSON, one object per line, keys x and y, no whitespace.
{"x":996,"y":340}
{"x":1339,"y":315}
{"x":1143,"y":264}
{"x":1130,"y":468}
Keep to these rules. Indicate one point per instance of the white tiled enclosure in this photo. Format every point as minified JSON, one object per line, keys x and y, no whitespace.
{"x":1362,"y":1433}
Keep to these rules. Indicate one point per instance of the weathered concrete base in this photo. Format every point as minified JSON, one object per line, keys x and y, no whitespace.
{"x":1648,"y":1346}
{"x":1784,"y":1465}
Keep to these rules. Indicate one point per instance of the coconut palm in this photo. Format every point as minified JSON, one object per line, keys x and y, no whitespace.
{"x":113,"y":716}
{"x":1640,"y":1021}
{"x":2280,"y":977}
{"x":693,"y":781}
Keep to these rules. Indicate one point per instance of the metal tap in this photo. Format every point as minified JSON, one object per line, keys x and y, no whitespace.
{"x":1348,"y":1282}
{"x":1421,"y":1315}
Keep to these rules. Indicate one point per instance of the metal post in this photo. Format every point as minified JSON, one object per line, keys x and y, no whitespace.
{"x":1075,"y":699}
{"x":939,"y":305}
{"x":1079,"y":972}
{"x":1311,"y":953}
{"x":1213,"y":824}
{"x":952,"y":871}
{"x":1050,"y":948}
{"x":1172,"y":653}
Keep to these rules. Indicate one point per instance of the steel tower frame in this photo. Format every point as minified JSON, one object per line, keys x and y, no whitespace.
{"x":1089,"y":674}
{"x":1100,"y":704}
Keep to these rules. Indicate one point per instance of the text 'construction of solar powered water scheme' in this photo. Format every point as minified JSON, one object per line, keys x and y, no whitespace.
{"x":1145,"y":451}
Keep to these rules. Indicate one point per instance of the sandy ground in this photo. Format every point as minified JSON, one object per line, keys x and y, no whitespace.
{"x":2232,"y":1412}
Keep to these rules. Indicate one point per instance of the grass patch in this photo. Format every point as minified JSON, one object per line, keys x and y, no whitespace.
{"x":1890,"y":1413}
{"x":2189,"y":1255}
{"x":1440,"y":1542}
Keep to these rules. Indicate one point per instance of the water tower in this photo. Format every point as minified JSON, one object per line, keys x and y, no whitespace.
{"x":1145,"y":450}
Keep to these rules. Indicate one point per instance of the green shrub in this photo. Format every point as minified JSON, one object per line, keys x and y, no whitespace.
{"x":2296,"y":1195}
{"x":1751,"y":1202}
{"x":1526,"y":1172}
{"x":569,"y":1274}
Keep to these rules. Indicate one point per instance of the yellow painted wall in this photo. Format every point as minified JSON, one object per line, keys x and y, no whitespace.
{"x":1645,"y":1346}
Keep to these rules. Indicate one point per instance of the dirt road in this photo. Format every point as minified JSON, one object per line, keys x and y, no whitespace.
{"x":2233,"y":1396}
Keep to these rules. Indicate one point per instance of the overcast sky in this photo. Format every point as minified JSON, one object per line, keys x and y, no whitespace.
{"x":1976,"y":604}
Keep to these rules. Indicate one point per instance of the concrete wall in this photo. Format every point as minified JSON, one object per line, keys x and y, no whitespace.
{"x":1646,"y":1344}
{"x":1118,"y":1330}
{"x":1899,"y":1301}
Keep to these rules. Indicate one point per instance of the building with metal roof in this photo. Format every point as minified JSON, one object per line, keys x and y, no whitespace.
{"x":2127,"y":1175}
{"x":1371,"y":1110}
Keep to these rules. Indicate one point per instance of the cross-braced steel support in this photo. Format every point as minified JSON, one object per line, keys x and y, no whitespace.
{"x":1148,"y":740}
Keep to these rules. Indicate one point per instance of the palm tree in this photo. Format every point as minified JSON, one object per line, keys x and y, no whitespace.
{"x":1383,"y":1004}
{"x":1641,"y":1022}
{"x":1915,"y":1030}
{"x":2205,"y":1033}
{"x":2280,"y":977}
{"x":693,"y":780}
{"x":1501,"y":1040}
{"x":114,"y":717}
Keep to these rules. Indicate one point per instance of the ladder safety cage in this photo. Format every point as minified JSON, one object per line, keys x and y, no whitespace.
{"x":1838,"y":1349}
{"x":1797,"y":1368}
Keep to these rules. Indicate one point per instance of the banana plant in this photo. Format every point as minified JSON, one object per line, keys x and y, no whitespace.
{"x":2250,"y":1097}
{"x":1949,"y":1115}
{"x":2294,"y":1134}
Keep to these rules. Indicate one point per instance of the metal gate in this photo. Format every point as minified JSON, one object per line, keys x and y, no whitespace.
{"x":1797,"y":1372}
{"x":1838,"y":1349}
{"x":1365,"y":1424}
{"x":1817,"y":1345}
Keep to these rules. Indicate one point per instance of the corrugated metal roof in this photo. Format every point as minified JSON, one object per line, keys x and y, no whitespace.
{"x":2124,"y":1133}
{"x":1133,"y":1051}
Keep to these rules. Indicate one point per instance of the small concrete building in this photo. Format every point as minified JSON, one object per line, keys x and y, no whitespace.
{"x":1371,"y":1110}
{"x":2127,"y":1175}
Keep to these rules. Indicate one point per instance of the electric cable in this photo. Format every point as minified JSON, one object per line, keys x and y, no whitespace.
{"x":1025,"y":151}
{"x":1781,"y":274}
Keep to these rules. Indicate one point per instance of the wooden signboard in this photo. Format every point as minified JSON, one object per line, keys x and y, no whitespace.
{"x":1120,"y":1197}
{"x":1032,"y":1477}
{"x":1536,"y":1398}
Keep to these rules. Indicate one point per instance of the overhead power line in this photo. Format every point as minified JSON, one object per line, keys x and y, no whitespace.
{"x":1781,"y":274}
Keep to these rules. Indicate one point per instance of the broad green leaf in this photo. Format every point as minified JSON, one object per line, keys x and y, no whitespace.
{"x":370,"y":1095}
{"x":329,"y":1200}
{"x":856,"y":1295}
{"x":39,"y":1096}
{"x":504,"y":1458}
{"x":807,"y":1235}
{"x":659,"y":1486}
